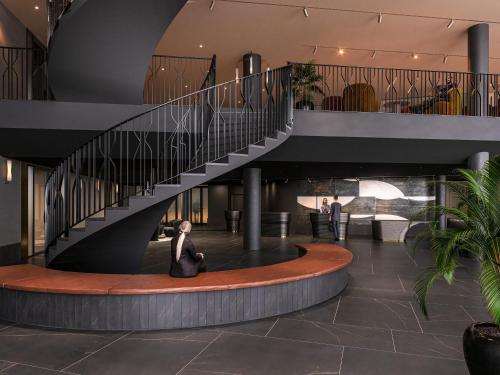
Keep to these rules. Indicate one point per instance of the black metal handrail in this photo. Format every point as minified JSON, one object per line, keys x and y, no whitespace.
{"x":160,"y":144}
{"x":170,"y":77}
{"x":55,"y":10}
{"x":23,"y":73}
{"x":367,"y":89}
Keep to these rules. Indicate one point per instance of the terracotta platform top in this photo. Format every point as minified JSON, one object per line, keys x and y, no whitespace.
{"x":319,"y":259}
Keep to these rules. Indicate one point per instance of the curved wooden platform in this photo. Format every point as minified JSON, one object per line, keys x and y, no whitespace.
{"x":44,"y":297}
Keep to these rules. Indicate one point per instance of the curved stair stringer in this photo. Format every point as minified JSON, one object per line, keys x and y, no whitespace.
{"x":101,"y":253}
{"x":100,"y":50}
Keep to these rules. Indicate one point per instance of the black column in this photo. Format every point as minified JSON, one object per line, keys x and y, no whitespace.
{"x":186,"y":197}
{"x":251,"y":208}
{"x":441,"y":200}
{"x":478,"y":43}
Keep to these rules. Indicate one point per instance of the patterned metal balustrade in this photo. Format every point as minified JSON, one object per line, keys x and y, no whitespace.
{"x":56,"y":8}
{"x":23,"y":73}
{"x":366,"y":89}
{"x":156,"y":147}
{"x":170,"y":77}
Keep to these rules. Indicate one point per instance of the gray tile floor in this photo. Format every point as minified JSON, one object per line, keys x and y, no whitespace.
{"x":373,"y":327}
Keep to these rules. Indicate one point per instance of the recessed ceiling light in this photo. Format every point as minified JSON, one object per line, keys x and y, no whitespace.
{"x":201,"y":45}
{"x":162,"y":68}
{"x":186,"y":86}
{"x":341,"y":51}
{"x":37,"y":7}
{"x":415,"y":56}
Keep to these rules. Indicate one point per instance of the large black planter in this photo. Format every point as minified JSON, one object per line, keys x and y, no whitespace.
{"x":482,"y":349}
{"x":233,"y":221}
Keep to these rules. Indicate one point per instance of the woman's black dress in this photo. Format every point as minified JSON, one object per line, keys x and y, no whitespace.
{"x":189,"y":263}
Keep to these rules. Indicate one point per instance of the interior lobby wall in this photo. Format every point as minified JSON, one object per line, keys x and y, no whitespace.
{"x":10,"y":214}
{"x":12,"y":31}
{"x":218,"y":196}
{"x":363,"y":199}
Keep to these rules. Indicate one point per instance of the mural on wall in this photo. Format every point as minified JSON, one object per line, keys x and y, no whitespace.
{"x":368,"y":199}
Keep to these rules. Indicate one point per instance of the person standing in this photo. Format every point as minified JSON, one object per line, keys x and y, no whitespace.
{"x":335,"y":210}
{"x":325,"y":207}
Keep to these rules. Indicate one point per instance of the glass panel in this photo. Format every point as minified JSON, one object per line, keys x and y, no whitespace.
{"x":179,"y":206}
{"x":171,"y":211}
{"x":31,"y":247}
{"x":39,"y":205}
{"x":205,"y":205}
{"x":196,"y":205}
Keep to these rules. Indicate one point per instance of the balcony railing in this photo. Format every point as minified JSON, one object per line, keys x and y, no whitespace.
{"x":365,"y":89}
{"x":23,"y":73}
{"x":171,"y":77}
{"x":55,"y":9}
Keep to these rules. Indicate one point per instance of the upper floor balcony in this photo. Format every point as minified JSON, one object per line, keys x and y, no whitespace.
{"x":368,"y":89}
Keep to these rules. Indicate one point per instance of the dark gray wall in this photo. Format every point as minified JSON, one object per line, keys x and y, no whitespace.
{"x":101,"y":50}
{"x":218,"y":198}
{"x":10,"y":214}
{"x":12,"y":31}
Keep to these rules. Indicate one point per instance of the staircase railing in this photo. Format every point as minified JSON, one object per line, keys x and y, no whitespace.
{"x":171,"y":77}
{"x":157,"y":146}
{"x":55,"y":9}
{"x":23,"y":73}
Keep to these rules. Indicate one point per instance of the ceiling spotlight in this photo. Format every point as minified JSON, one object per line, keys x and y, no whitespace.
{"x":315,"y":50}
{"x":186,"y":86}
{"x":380,"y":18}
{"x":212,"y":5}
{"x":37,"y":7}
{"x":341,"y":51}
{"x":450,"y":24}
{"x":286,"y":181}
{"x":374,"y":53}
{"x":162,"y":68}
{"x":201,"y":46}
{"x":309,"y":180}
{"x":415,"y":56}
{"x":237,"y":74}
{"x":445,"y":59}
{"x":306,"y":13}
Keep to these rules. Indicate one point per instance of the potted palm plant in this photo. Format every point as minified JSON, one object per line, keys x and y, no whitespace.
{"x":305,"y":83}
{"x":479,"y":236}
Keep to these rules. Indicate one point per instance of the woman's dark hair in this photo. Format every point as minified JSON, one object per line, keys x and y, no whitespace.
{"x":336,"y":197}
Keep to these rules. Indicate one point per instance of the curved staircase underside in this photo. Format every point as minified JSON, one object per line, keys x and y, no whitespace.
{"x":100,"y":50}
{"x":114,"y":240}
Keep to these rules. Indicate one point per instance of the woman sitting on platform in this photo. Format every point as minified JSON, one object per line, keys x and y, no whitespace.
{"x":186,"y":262}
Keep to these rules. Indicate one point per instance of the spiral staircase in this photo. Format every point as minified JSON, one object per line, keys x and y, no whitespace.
{"x":105,"y":199}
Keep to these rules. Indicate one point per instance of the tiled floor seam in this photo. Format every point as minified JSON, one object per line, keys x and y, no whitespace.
{"x":199,"y":353}
{"x":97,"y":351}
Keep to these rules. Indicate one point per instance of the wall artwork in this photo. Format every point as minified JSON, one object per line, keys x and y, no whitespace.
{"x":367,"y":199}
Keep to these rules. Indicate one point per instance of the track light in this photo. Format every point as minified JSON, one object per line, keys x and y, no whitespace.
{"x":445,"y":59}
{"x":380,"y":18}
{"x":212,"y":5}
{"x":450,"y":24}
{"x":374,"y":53}
{"x":315,"y":50}
{"x":306,"y":13}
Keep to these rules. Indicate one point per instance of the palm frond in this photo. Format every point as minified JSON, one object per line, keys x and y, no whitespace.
{"x":490,"y":289}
